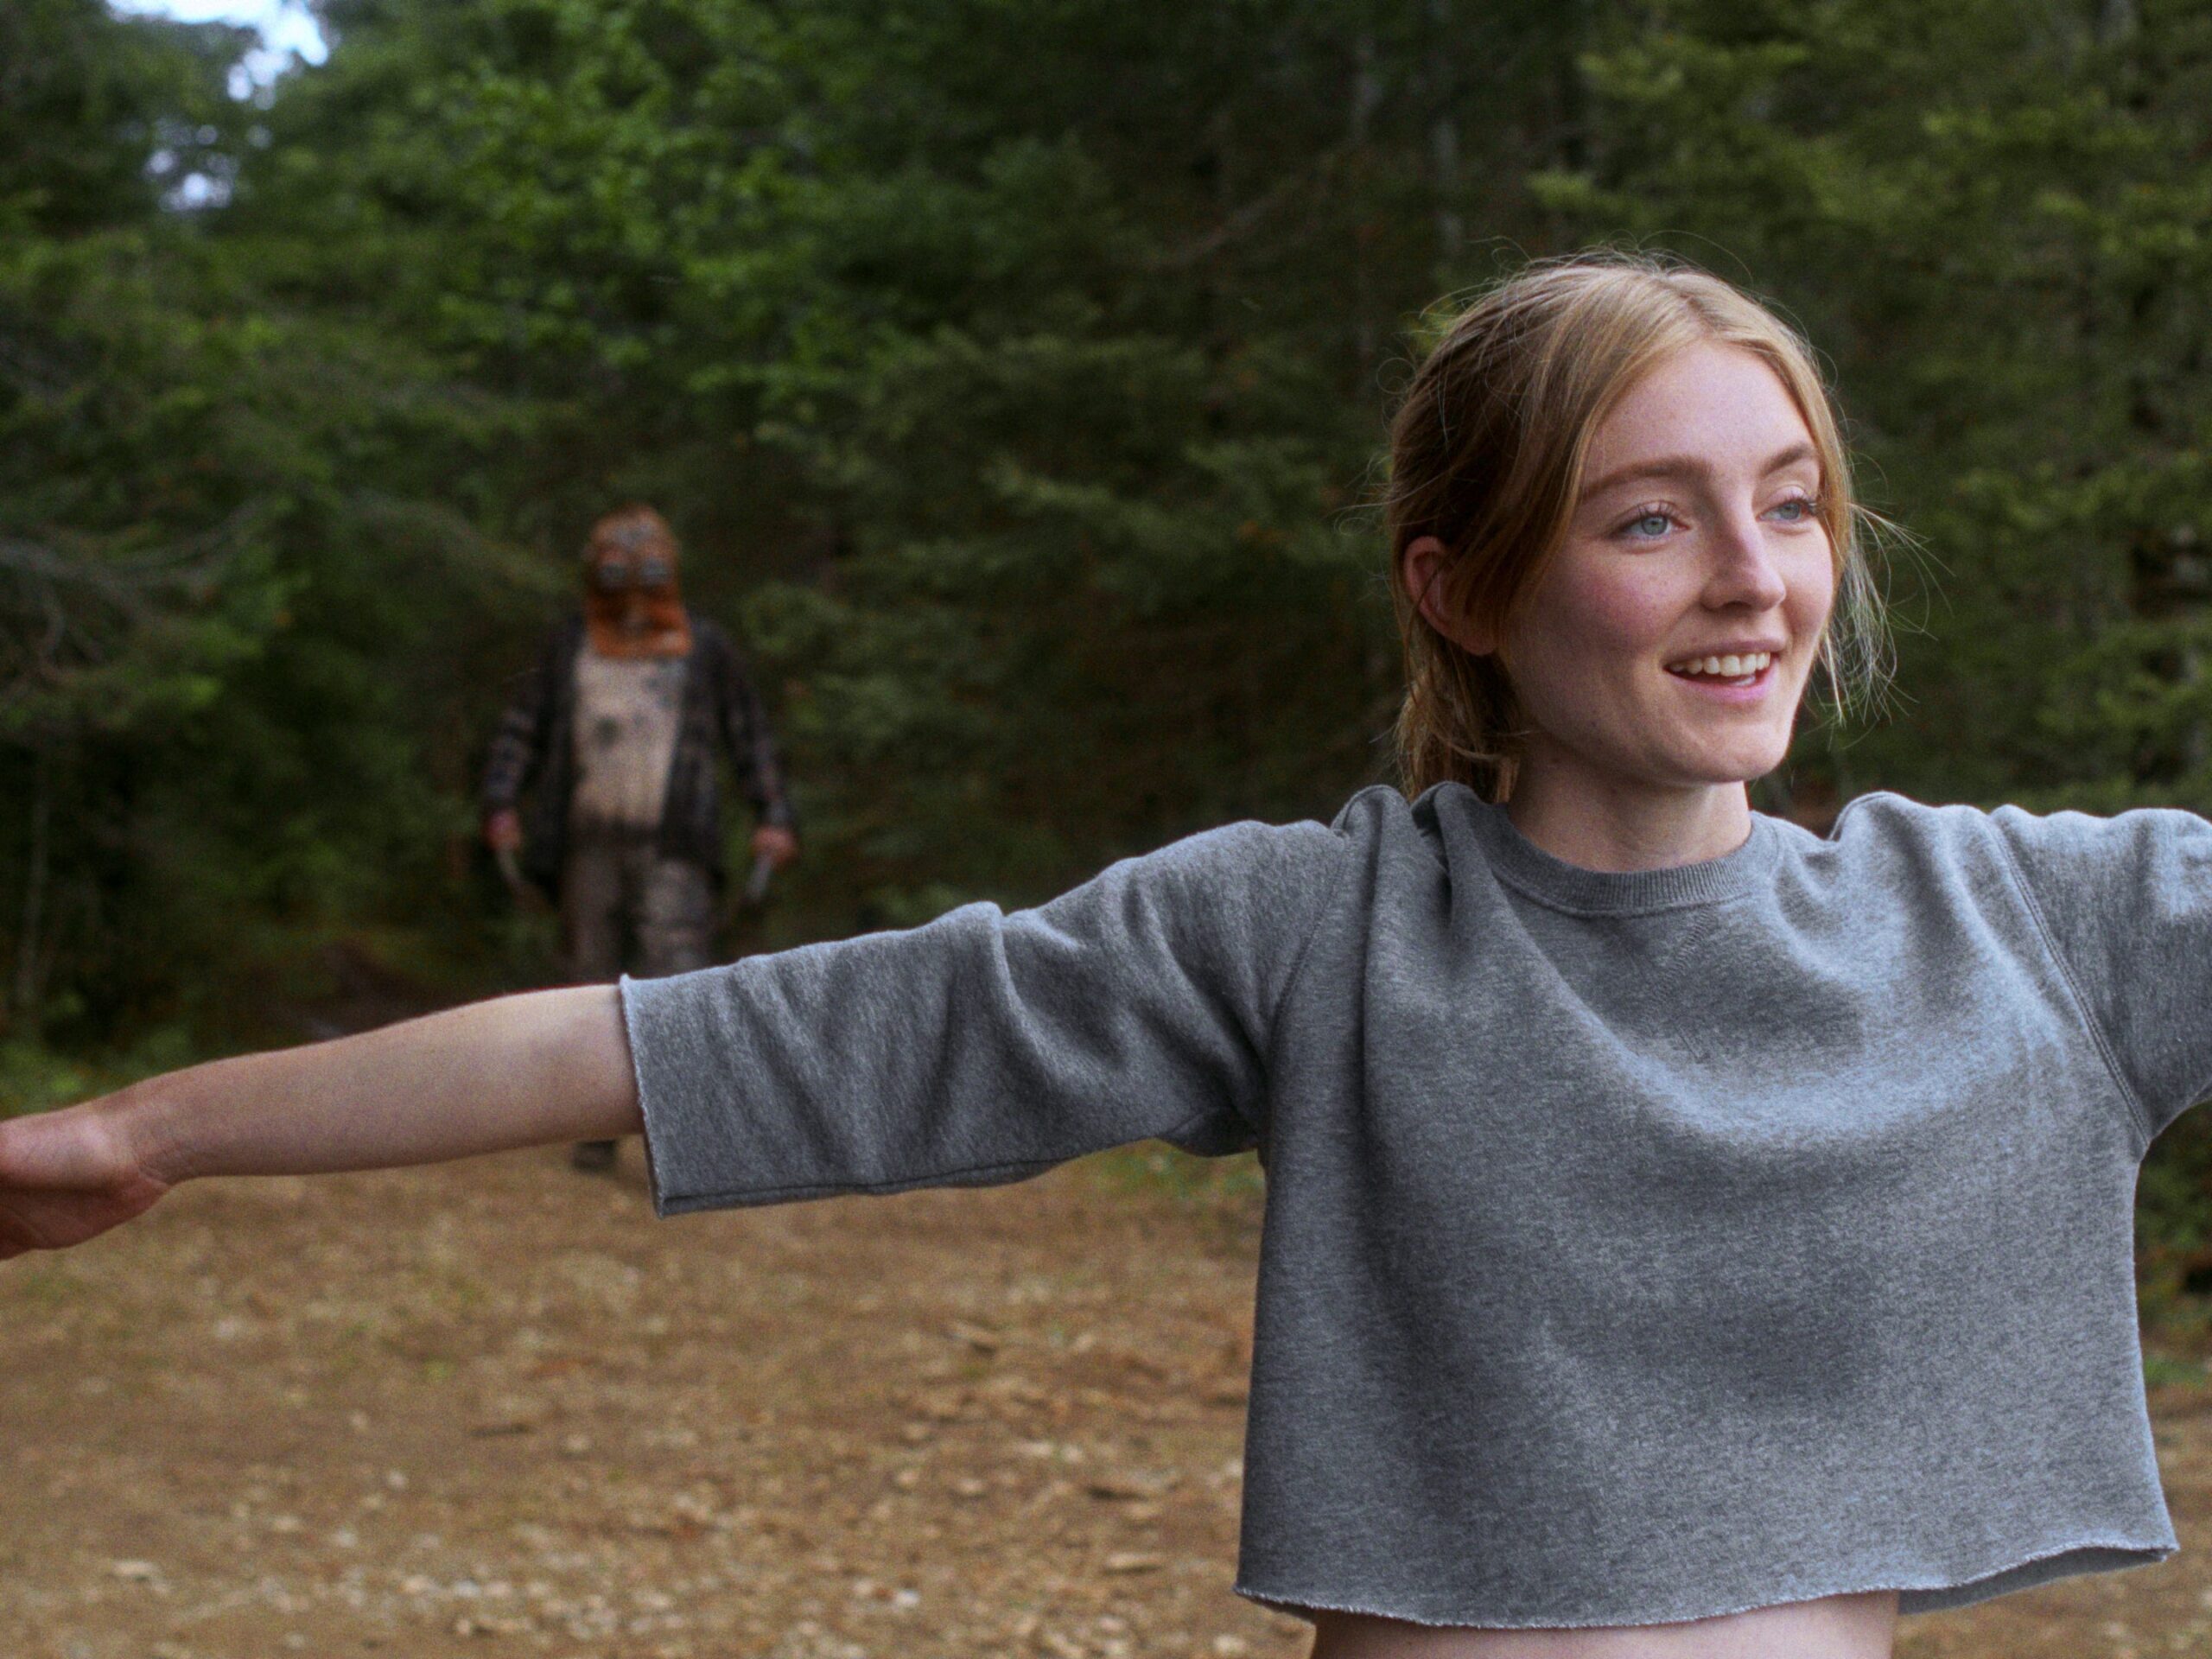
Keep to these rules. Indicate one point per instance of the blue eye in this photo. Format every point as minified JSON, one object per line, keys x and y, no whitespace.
{"x":1641,"y":526}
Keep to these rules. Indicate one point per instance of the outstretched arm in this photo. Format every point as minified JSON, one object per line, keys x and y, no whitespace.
{"x":544,"y":1067}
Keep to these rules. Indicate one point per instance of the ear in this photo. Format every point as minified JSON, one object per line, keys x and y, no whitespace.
{"x":1423,"y":565}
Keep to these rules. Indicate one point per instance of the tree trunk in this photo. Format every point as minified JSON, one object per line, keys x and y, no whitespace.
{"x":1444,"y":135}
{"x":1366,"y":97}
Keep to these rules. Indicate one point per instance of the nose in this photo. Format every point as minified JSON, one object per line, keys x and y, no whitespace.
{"x":1744,"y":571}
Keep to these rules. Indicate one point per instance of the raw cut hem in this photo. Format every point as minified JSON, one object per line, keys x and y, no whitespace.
{"x":1916,"y":1592}
{"x":2068,"y":1560}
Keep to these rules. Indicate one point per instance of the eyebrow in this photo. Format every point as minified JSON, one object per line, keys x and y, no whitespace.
{"x":1693,"y":467}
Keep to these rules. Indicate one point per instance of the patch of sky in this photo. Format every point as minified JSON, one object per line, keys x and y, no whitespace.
{"x":289,"y":34}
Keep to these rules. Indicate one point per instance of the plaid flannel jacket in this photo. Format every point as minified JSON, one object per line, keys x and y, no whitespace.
{"x":534,"y":750}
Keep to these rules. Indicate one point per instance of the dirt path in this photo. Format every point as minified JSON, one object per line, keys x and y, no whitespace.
{"x":495,"y":1407}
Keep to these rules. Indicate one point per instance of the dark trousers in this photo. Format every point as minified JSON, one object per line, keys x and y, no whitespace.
{"x":625,"y":909}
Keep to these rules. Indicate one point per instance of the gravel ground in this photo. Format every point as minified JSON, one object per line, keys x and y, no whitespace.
{"x":495,"y":1408}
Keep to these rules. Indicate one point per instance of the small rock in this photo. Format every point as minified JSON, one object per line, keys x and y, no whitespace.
{"x":1113,"y":1487}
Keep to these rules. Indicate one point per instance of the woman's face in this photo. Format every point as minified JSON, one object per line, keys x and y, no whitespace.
{"x":1695,"y":536}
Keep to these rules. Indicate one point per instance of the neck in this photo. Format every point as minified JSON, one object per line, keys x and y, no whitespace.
{"x":1619,"y":826}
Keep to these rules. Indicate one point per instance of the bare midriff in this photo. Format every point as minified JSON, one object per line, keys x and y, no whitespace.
{"x":1862,"y":1626}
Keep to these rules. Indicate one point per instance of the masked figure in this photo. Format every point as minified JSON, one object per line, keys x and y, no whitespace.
{"x":615,"y":735}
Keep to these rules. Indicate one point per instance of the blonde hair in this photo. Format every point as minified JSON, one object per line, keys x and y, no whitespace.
{"x":1487,"y":452}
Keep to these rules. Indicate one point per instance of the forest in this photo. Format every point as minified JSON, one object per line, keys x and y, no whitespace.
{"x":1014,"y":373}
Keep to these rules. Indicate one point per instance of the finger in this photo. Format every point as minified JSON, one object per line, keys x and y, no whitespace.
{"x":26,"y":1224}
{"x":19,"y":1231}
{"x":55,"y":1220}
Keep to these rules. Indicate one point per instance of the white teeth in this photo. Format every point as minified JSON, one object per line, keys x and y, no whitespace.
{"x":1732,"y":667}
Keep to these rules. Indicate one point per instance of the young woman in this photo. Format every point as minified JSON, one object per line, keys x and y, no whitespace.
{"x":1685,"y":1235}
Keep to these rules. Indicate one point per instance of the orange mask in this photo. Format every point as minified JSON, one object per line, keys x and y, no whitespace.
{"x":631,"y":605}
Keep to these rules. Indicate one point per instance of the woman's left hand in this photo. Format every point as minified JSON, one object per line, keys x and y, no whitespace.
{"x":68,"y":1176}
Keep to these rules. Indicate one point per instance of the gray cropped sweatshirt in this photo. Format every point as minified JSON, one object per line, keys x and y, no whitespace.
{"x":1638,"y":1247}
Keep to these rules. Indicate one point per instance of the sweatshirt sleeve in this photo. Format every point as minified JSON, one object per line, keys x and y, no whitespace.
{"x":2127,"y":902}
{"x":985,"y":1046}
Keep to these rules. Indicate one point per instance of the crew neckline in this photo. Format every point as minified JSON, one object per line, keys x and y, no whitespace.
{"x":1552,"y":881}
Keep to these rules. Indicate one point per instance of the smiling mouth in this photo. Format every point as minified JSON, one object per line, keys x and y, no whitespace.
{"x":1737,"y":672}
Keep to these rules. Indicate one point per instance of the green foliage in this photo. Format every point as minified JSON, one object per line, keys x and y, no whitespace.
{"x":1014,"y":370}
{"x":98,"y":115}
{"x":2173,"y":1231}
{"x":35,"y":1078}
{"x":1990,"y":218}
{"x":235,"y":614}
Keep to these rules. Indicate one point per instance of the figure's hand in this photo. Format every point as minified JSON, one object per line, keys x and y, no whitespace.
{"x":503,"y":830}
{"x":68,"y":1176}
{"x":776,"y":844}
